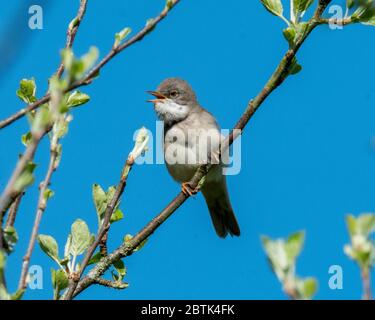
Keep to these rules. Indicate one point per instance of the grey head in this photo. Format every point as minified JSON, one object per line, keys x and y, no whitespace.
{"x":175,"y":100}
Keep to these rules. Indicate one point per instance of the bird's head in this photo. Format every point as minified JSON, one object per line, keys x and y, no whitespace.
{"x":174,"y":98}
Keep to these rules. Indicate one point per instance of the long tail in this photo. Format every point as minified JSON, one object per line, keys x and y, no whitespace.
{"x":222,"y":215}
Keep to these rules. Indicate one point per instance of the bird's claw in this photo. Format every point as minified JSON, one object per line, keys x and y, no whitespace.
{"x":188,"y":190}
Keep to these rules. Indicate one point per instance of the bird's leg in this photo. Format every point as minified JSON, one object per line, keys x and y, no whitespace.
{"x":187,"y":189}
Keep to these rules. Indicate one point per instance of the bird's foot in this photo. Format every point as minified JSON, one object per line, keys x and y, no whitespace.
{"x":188,"y":190}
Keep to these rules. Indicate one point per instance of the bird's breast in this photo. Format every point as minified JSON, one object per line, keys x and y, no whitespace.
{"x":185,"y":149}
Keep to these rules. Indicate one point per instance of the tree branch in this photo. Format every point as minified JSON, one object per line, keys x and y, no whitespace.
{"x":366,"y":283}
{"x":111,"y":284}
{"x":10,"y":193}
{"x":41,"y":207}
{"x":92,"y":74}
{"x":13,"y":209}
{"x":71,"y":33}
{"x":277,"y":78}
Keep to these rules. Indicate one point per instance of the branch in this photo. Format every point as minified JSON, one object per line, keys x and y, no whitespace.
{"x":13,"y":209}
{"x":41,"y":207}
{"x":277,"y":78}
{"x":111,"y":284}
{"x":10,"y":193}
{"x":335,"y":21}
{"x":152,"y":23}
{"x":366,"y":283}
{"x":71,"y":33}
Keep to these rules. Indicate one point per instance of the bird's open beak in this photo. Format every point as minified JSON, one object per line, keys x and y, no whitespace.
{"x":159,"y":97}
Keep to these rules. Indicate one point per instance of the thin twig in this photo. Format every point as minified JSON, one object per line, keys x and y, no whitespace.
{"x":71,"y":33}
{"x":13,"y":211}
{"x":10,"y":194}
{"x":103,"y":245}
{"x":277,"y":78}
{"x":366,"y":283}
{"x":41,"y":207}
{"x":150,"y":26}
{"x":111,"y":284}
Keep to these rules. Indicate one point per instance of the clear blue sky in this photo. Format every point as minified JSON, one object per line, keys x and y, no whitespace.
{"x":307,"y":156}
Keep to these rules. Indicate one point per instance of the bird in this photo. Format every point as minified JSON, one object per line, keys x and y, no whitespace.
{"x":191,"y":138}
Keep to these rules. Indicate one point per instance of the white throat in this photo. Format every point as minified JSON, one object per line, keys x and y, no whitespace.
{"x":169,"y":111}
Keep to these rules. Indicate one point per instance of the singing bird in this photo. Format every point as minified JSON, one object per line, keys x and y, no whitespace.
{"x":191,"y":138}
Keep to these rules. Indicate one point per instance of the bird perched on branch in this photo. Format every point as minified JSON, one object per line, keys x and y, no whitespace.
{"x":192,"y":138}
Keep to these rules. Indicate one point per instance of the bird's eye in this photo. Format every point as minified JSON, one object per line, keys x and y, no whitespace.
{"x":174,"y":94}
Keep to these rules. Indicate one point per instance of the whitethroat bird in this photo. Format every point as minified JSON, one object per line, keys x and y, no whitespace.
{"x":191,"y":137}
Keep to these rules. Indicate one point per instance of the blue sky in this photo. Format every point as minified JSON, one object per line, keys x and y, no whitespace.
{"x":307,"y":155}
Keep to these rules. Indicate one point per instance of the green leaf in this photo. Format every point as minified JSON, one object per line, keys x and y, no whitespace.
{"x":67,"y":58}
{"x":120,"y":36}
{"x":41,"y":120}
{"x":17,"y":295}
{"x":48,"y":193}
{"x":61,"y":127}
{"x":273,"y":6}
{"x":363,"y":225}
{"x":64,"y":261}
{"x":26,"y":91}
{"x":110,"y":193}
{"x":77,"y":67}
{"x":300,"y":6}
{"x":116,"y":216}
{"x":10,"y":237}
{"x":362,"y":248}
{"x":294,"y":244}
{"x":4,"y":295}
{"x":120,"y":268}
{"x":295,"y":67}
{"x":68,"y":245}
{"x":366,"y":223}
{"x":127,"y":238}
{"x":365,"y":11}
{"x":76,"y":99}
{"x":370,"y":22}
{"x":59,"y":279}
{"x":276,"y":253}
{"x":2,"y":261}
{"x":81,"y":237}
{"x":307,"y":287}
{"x":349,"y":3}
{"x":351,"y":223}
{"x":169,"y":4}
{"x":100,"y":200}
{"x":95,"y":258}
{"x":49,"y":245}
{"x":26,"y":138}
{"x":73,"y":23}
{"x":89,"y":58}
{"x":290,"y":34}
{"x":26,"y":178}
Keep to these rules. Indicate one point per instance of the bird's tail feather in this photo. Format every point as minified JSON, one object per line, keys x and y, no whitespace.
{"x":222,"y":215}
